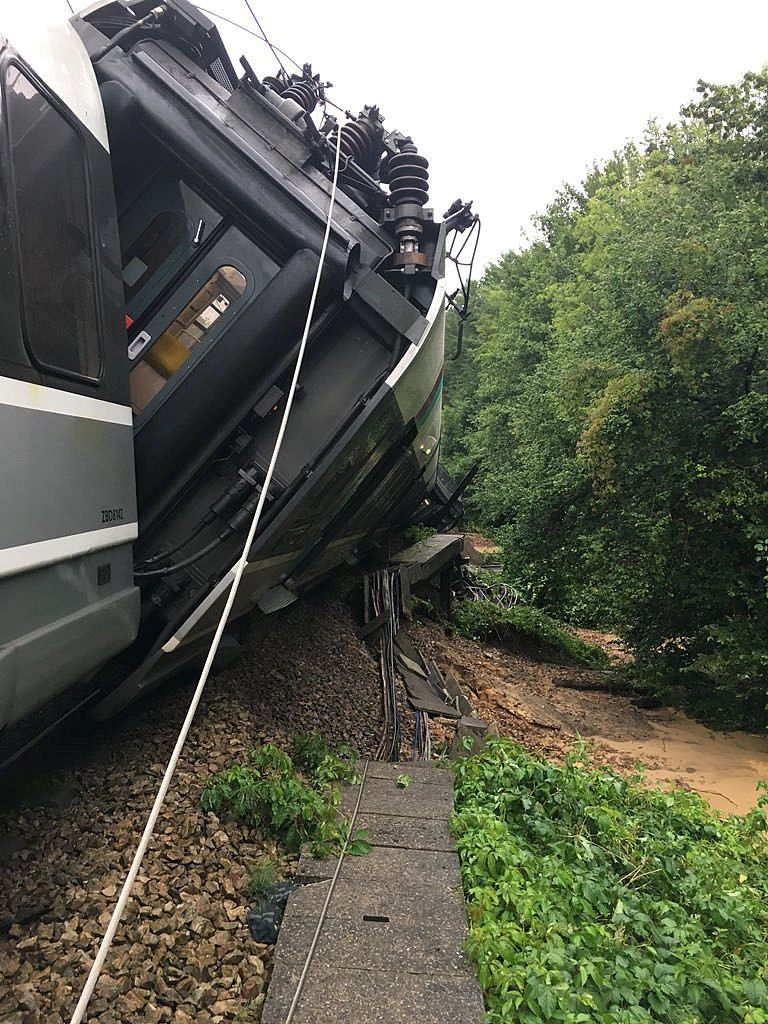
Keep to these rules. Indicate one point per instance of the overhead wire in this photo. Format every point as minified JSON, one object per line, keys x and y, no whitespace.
{"x":266,"y":37}
{"x":263,"y":38}
{"x":125,"y":892}
{"x":464,"y":285}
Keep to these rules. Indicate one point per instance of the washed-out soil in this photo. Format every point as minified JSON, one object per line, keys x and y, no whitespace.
{"x":537,"y":701}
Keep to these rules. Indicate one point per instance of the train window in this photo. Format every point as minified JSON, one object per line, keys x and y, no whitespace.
{"x":50,"y":184}
{"x":177,"y":342}
{"x":160,"y":231}
{"x":157,"y":243}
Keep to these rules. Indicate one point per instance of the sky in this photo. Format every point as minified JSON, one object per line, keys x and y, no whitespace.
{"x":509,"y":100}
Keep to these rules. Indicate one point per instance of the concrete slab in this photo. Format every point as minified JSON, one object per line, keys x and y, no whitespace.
{"x":388,"y":866}
{"x":336,"y":996}
{"x":355,"y":943}
{"x":423,"y":560}
{"x":407,"y":833}
{"x":419,"y":800}
{"x":358,"y":900}
{"x":418,"y":772}
{"x":391,"y":948}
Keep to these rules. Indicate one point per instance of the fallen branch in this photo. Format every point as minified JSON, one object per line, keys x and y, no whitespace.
{"x":600,"y":684}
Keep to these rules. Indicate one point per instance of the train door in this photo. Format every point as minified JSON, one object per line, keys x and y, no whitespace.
{"x":68,"y":505}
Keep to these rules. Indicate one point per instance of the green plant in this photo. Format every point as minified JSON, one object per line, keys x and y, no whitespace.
{"x":416,"y":534}
{"x":596,"y":900}
{"x":312,"y":754}
{"x":423,"y":608}
{"x":479,"y":620}
{"x":403,"y":781}
{"x":262,"y":877}
{"x":266,"y":793}
{"x":308,"y":749}
{"x":249,"y":1013}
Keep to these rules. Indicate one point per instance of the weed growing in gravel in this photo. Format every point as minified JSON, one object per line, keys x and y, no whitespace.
{"x":262,"y":878}
{"x":308,"y":749}
{"x":311,"y":753}
{"x":266,"y":793}
{"x":595,"y":900}
{"x":250,"y":1012}
{"x":479,"y":620}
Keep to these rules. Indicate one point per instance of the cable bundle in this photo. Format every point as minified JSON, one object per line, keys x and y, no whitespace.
{"x":386,"y":596}
{"x":422,"y":742}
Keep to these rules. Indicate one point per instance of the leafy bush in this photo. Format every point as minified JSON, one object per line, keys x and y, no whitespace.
{"x":308,"y":749}
{"x":479,"y":620}
{"x":313,"y":754}
{"x":595,"y":900}
{"x":266,"y":793}
{"x":415,"y":534}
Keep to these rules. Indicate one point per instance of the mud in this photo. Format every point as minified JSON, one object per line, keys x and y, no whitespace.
{"x":519,"y":695}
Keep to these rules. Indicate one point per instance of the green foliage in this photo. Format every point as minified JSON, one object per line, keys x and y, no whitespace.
{"x":308,"y":750}
{"x":614,"y":389}
{"x":479,"y":620}
{"x":415,"y":534}
{"x":262,"y":877}
{"x":250,"y":1012}
{"x":313,"y":754}
{"x":403,"y":781}
{"x":595,"y":900}
{"x":266,"y":793}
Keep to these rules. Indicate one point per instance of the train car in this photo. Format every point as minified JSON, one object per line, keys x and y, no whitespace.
{"x":161,"y":219}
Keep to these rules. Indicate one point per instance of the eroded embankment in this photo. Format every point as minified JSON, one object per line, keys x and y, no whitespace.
{"x":520,"y":695}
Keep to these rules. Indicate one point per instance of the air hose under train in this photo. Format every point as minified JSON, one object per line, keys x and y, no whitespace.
{"x":232,"y":502}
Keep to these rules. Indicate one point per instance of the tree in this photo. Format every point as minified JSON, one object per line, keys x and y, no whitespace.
{"x":614,"y":389}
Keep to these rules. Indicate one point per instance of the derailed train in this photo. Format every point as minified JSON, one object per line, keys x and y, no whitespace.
{"x":161,"y":220}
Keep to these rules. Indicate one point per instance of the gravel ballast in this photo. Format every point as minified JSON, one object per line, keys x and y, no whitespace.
{"x":183,"y":953}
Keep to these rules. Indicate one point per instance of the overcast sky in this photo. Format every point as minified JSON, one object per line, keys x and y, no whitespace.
{"x":509,"y":100}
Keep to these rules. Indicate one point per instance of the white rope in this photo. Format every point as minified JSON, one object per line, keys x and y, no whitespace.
{"x":141,"y":849}
{"x":324,"y":911}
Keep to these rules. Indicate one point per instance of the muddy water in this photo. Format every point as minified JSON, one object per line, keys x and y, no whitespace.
{"x":723,"y":766}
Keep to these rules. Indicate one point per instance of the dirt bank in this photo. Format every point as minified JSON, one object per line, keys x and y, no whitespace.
{"x":519,"y":694}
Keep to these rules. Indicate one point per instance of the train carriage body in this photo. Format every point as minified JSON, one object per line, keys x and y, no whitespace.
{"x":161,"y":222}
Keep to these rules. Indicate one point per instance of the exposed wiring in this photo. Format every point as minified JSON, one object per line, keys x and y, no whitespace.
{"x":166,"y":570}
{"x":141,"y":849}
{"x":386,"y":599}
{"x":324,"y":911}
{"x":154,"y":559}
{"x":154,"y":15}
{"x":422,"y":743}
{"x":463,"y":310}
{"x":482,"y":589}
